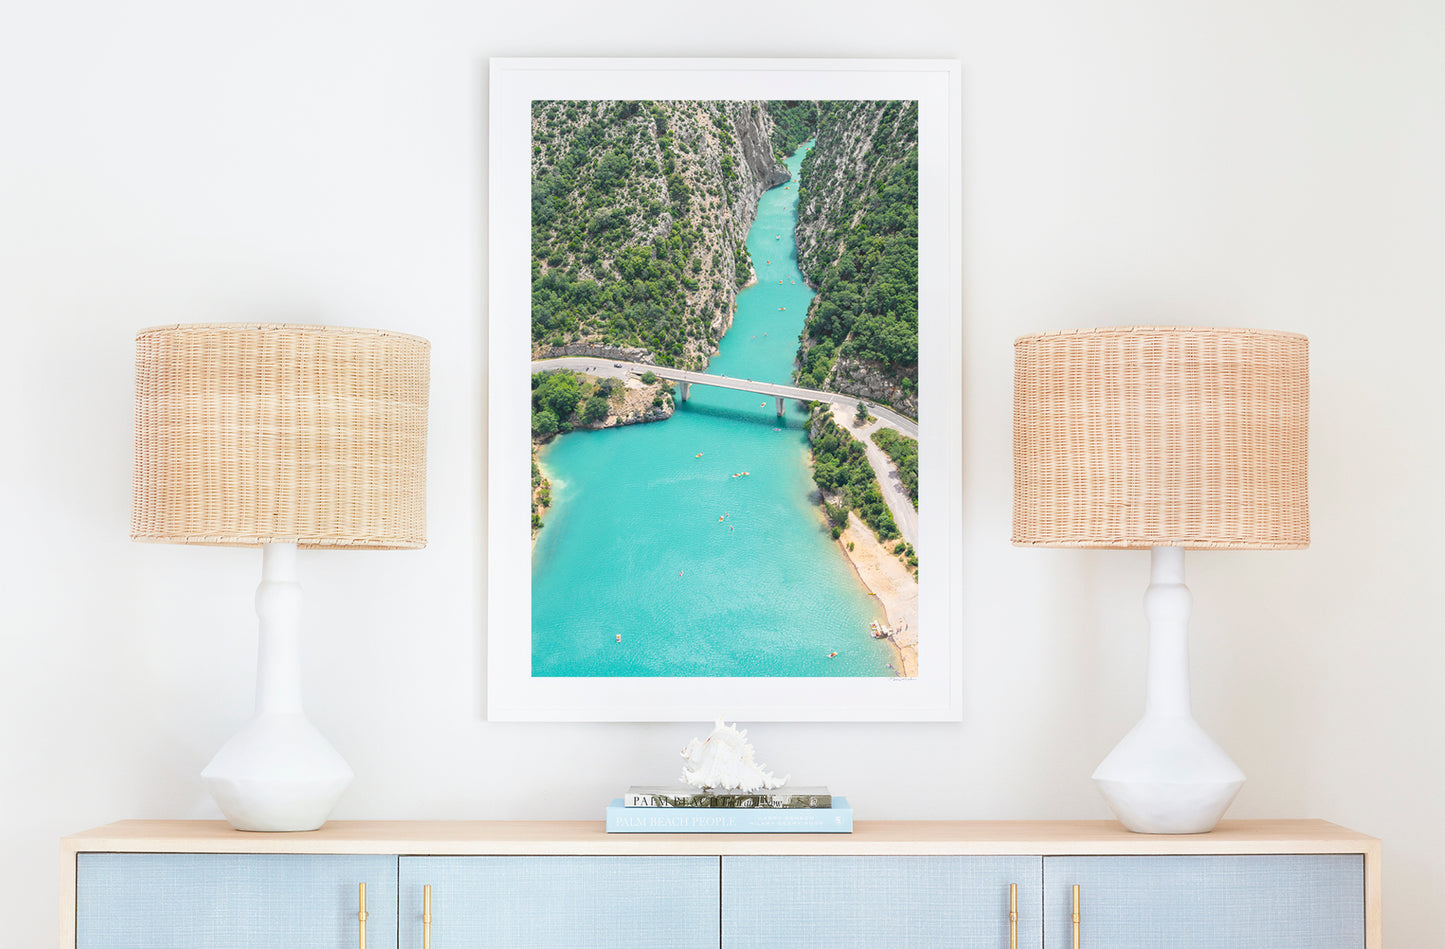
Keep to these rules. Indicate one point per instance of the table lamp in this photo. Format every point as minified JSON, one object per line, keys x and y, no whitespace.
{"x":279,"y":436}
{"x":1167,"y":438}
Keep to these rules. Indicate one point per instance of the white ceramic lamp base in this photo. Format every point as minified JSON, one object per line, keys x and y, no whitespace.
{"x":278,"y":773}
{"x":1167,"y":776}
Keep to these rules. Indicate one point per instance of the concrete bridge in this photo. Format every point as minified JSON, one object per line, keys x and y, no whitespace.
{"x":601,"y":366}
{"x":905,"y":515}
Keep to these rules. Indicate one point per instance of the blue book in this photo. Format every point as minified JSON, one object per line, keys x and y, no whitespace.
{"x":837,"y":819}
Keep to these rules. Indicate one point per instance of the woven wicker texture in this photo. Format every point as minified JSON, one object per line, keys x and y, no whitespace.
{"x":251,"y":433}
{"x":1161,"y":436}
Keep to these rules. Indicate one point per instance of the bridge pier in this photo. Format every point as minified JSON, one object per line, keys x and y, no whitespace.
{"x":686,"y":390}
{"x":780,"y":406}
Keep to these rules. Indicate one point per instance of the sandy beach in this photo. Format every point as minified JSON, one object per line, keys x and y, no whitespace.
{"x":888,"y":579}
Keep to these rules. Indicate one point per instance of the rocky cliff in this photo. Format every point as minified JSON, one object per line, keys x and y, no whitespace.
{"x":754,"y":128}
{"x":874,"y":380}
{"x":857,"y":144}
{"x":640,"y":211}
{"x":858,"y":247}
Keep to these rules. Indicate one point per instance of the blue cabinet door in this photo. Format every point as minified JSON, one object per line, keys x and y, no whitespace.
{"x":232,"y":901}
{"x":561,"y":902}
{"x":1304,"y":901}
{"x":901,"y":902}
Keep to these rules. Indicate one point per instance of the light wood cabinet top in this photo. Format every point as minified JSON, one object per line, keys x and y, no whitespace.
{"x":1055,"y":837}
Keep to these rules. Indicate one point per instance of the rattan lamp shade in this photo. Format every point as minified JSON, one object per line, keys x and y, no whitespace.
{"x":255,"y":433}
{"x":1161,"y":436}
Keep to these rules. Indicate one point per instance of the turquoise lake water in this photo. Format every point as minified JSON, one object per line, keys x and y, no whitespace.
{"x":703,"y":573}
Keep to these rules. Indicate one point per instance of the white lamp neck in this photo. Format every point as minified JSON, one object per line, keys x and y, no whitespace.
{"x":1166,"y":604}
{"x":278,"y":562}
{"x":278,"y":657}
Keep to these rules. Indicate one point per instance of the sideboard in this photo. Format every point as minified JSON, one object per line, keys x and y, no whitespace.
{"x":1281,"y":884}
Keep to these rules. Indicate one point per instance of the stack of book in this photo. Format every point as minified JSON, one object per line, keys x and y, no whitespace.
{"x":684,"y":810}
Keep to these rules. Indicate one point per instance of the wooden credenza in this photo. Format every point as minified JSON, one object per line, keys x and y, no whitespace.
{"x":1277,"y":884}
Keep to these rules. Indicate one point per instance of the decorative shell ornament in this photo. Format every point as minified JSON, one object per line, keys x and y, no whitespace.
{"x":723,"y":761}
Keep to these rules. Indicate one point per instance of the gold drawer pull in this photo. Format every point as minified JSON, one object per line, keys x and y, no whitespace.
{"x":361,"y":914}
{"x":1013,"y":916}
{"x":1076,"y":916}
{"x":426,"y":917}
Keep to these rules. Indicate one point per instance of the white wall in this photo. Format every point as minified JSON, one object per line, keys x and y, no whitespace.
{"x":1211,"y":162}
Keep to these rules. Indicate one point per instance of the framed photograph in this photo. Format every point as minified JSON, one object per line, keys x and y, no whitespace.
{"x":724,"y":390}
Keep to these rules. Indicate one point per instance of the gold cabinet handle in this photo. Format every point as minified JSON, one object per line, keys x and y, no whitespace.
{"x":361,"y":914}
{"x":426,"y":917}
{"x":1013,"y":916}
{"x":1076,"y":916}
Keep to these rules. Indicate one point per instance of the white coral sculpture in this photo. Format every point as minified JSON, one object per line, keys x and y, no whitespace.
{"x":724,"y":761}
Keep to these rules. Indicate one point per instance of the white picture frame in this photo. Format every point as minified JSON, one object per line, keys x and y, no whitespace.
{"x":513,"y":693}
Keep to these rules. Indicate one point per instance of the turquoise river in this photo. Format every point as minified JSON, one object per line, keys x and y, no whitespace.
{"x":651,"y":537}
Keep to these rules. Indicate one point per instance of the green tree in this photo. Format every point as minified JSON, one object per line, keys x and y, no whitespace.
{"x":558,"y":391}
{"x":595,"y":410}
{"x":544,"y":424}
